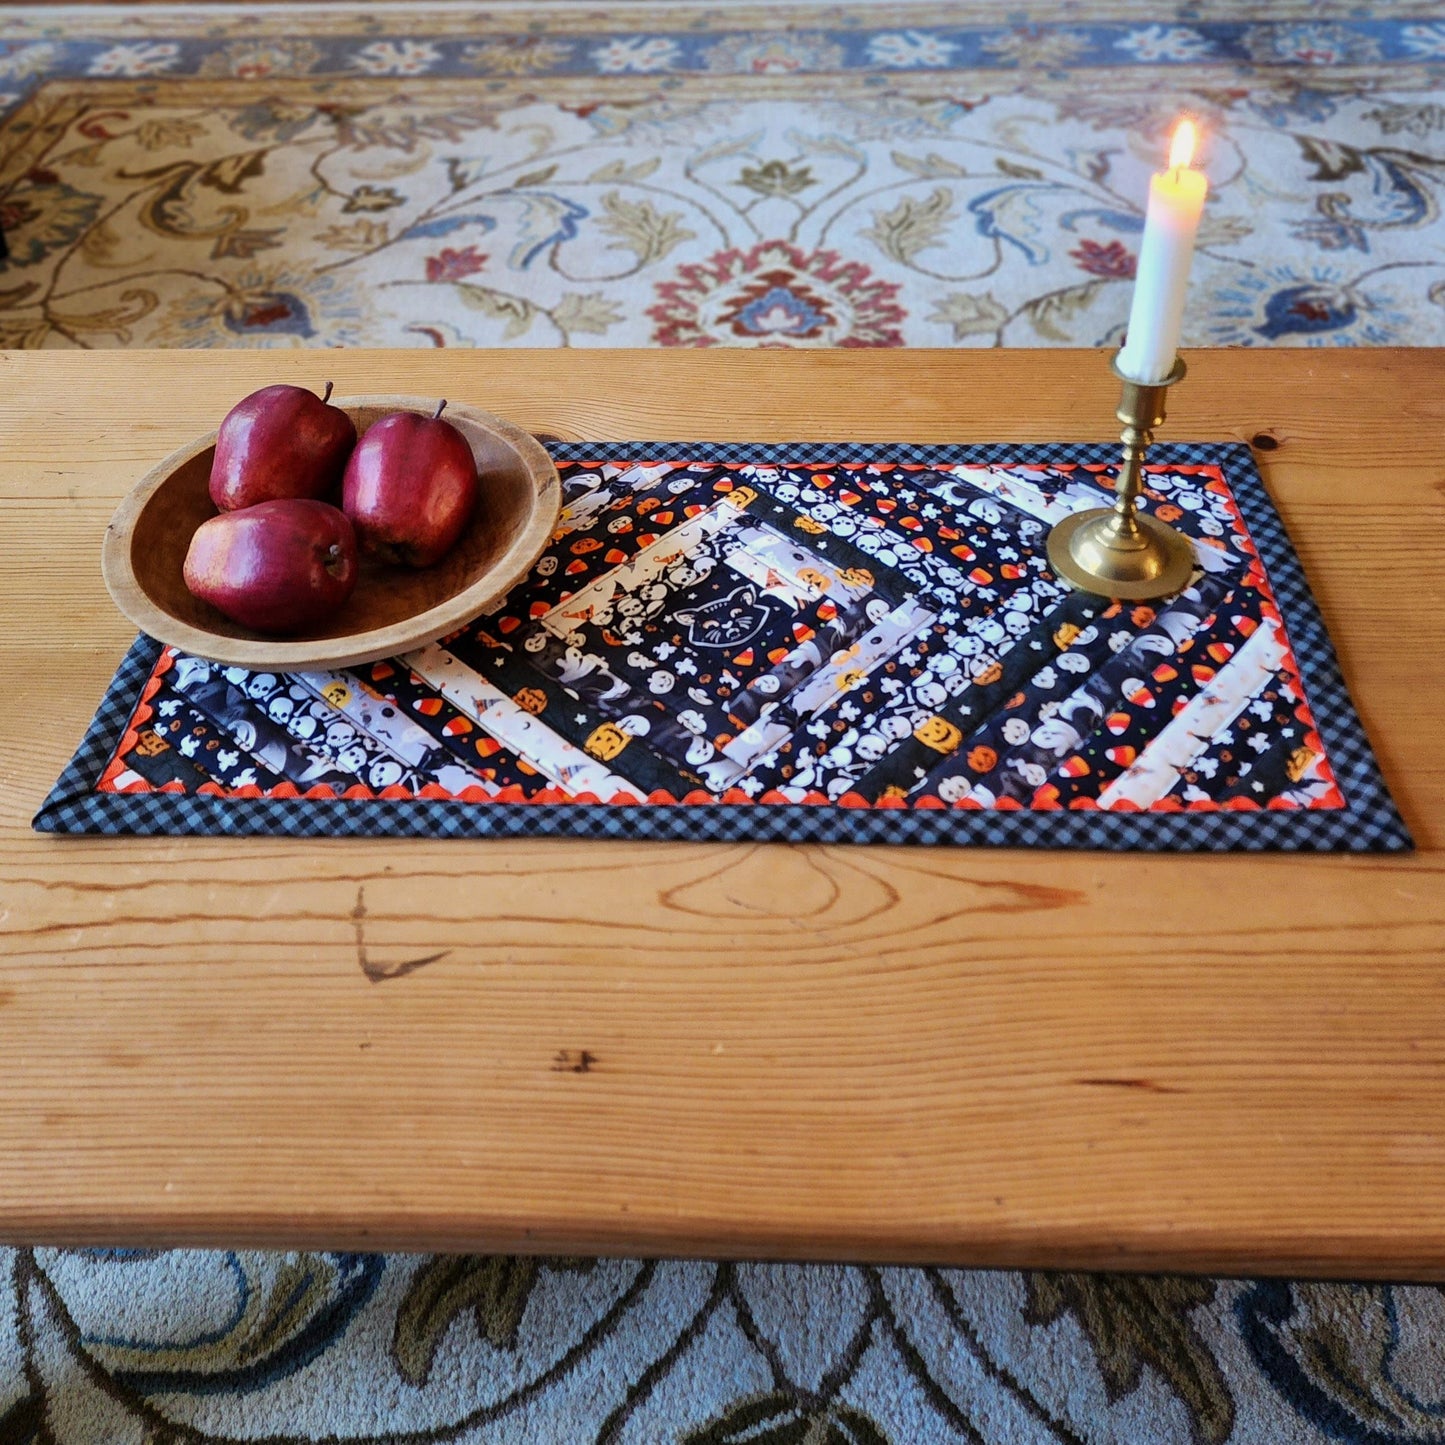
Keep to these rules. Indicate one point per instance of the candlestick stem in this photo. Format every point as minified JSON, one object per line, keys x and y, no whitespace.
{"x":1117,"y":551}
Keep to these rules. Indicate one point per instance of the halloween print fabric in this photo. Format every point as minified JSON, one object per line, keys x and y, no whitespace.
{"x":729,"y":631}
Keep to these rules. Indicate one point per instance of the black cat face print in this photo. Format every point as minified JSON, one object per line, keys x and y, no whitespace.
{"x":729,"y":621}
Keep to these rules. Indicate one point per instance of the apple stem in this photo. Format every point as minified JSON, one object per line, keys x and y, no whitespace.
{"x":326,"y":395}
{"x":441,"y":407}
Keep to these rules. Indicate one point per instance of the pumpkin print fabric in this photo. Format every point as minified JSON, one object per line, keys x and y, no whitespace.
{"x":866,"y":641}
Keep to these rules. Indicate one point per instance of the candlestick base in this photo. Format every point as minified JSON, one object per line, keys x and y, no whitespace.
{"x":1117,"y":551}
{"x":1095,"y":551}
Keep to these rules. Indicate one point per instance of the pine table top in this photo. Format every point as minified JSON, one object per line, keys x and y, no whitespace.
{"x":1232,"y":1063}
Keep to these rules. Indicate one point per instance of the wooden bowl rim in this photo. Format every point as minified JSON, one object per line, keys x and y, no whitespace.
{"x":300,"y":654}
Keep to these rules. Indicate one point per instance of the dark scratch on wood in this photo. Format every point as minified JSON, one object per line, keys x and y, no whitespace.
{"x":379,"y":972}
{"x":1148,"y":1085}
{"x":573,"y":1061}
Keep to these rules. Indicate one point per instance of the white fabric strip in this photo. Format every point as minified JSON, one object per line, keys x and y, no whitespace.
{"x":1005,"y":487}
{"x":407,"y":741}
{"x":514,"y":727}
{"x":776,"y":566}
{"x":627,"y":577}
{"x":1157,"y":768}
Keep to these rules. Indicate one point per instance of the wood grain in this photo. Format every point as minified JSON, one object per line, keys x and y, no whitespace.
{"x":994,"y":1057}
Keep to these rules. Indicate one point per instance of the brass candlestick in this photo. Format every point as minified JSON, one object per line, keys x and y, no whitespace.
{"x":1115,"y":551}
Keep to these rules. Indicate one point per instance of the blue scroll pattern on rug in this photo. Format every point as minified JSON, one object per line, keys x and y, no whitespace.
{"x":219,"y":1347}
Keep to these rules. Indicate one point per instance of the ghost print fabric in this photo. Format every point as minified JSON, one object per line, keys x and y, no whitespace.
{"x":877,"y":632}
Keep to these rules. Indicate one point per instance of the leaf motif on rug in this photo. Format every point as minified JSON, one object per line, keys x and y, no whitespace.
{"x":621,"y":171}
{"x":591,"y":312}
{"x":360,"y":235}
{"x":372,"y":198}
{"x":1133,"y":1321}
{"x":516,"y":311}
{"x":1419,"y":119}
{"x":1046,"y":312}
{"x":912,"y":225}
{"x":495,"y":1288}
{"x":969,"y":315}
{"x":640,"y":227}
{"x":43,"y":215}
{"x":776,"y":178}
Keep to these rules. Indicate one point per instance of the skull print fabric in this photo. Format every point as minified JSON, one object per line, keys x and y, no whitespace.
{"x":750,"y":627}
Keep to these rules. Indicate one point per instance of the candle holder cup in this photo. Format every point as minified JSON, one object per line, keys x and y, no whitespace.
{"x":1117,"y":551}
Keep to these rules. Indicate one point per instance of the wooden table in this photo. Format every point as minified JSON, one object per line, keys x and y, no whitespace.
{"x":1228,"y":1063}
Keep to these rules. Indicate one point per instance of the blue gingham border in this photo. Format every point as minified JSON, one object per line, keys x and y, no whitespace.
{"x":1368,"y":823}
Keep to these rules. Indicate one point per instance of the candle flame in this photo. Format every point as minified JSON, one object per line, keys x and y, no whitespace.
{"x":1181,"y":148}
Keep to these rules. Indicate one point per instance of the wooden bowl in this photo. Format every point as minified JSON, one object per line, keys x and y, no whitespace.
{"x":393,"y":608}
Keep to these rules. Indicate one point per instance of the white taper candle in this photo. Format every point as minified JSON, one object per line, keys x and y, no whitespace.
{"x":1176,"y":202}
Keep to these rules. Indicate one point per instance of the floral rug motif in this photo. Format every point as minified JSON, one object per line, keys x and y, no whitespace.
{"x":895,"y":174}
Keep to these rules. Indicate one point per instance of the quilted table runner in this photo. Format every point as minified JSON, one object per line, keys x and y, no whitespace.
{"x":808,"y":642}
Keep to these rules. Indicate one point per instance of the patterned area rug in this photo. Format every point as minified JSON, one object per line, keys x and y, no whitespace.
{"x":202,"y":1347}
{"x":870,"y":176}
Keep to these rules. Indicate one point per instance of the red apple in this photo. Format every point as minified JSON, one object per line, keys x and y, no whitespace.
{"x":279,"y":567}
{"x":410,"y":487}
{"x":281,"y":441}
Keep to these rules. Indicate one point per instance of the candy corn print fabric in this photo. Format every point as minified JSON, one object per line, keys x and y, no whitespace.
{"x":810,"y":643}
